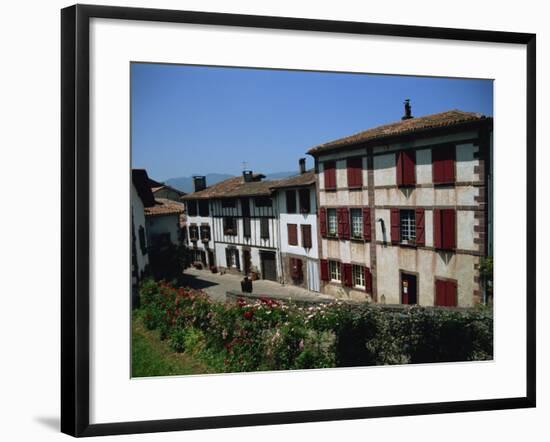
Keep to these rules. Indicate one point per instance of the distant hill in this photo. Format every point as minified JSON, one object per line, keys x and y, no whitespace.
{"x":185,"y":183}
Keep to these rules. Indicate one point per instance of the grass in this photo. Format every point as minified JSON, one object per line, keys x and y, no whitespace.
{"x":153,"y":357}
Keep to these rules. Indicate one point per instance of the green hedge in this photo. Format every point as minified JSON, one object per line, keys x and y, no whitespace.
{"x":268,"y":335}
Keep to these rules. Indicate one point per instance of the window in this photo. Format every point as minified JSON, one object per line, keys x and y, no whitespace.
{"x":408,"y":226}
{"x":330,"y":174}
{"x":334,"y":271}
{"x":355,"y":172}
{"x":445,"y":293}
{"x":292,"y":234}
{"x":356,"y":223}
{"x":232,"y":258}
{"x":262,"y":201}
{"x":142,"y":244}
{"x":193,"y":233}
{"x":306,"y":236}
{"x":332,"y":222}
{"x":228,"y":203}
{"x":406,"y":160}
{"x":192,"y":208}
{"x":203,"y":208}
{"x":205,"y":232}
{"x":443,"y":169}
{"x":445,"y":229}
{"x":358,"y":273}
{"x":291,"y":201}
{"x":264,"y":228}
{"x":229,"y":226}
{"x":304,"y":200}
{"x":246,"y":227}
{"x":296,"y":272}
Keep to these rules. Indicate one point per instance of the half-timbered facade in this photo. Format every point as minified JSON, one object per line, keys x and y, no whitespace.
{"x":296,"y":202}
{"x":198,"y":228}
{"x":243,"y":225}
{"x":404,"y":210}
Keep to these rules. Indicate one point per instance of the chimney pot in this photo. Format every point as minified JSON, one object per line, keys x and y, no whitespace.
{"x":247,"y":176}
{"x":408,"y":114}
{"x":302,"y":165}
{"x":199,"y":183}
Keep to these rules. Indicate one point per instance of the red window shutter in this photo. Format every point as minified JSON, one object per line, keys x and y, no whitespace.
{"x":292,"y":234}
{"x":449,"y":228}
{"x":399,"y":168}
{"x":345,"y":219}
{"x":355,"y":172}
{"x":306,"y":236}
{"x":437,"y":228}
{"x":420,"y":230}
{"x":395,"y":226}
{"x":330,"y":174}
{"x":343,"y":222}
{"x":366,"y":224}
{"x":451,"y":294}
{"x":440,"y":292}
{"x":443,"y":160}
{"x":449,"y":164}
{"x":324,"y":270}
{"x":323,"y":221}
{"x":368,"y":280}
{"x":346,"y":275}
{"x":409,"y":160}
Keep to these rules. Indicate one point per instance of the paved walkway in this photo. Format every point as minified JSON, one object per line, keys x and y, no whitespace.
{"x":216,"y":285}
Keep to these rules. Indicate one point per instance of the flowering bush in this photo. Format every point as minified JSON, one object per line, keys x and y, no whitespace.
{"x":268,"y":335}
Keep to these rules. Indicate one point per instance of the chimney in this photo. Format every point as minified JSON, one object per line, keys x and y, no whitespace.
{"x":247,"y":176}
{"x":408,"y":114}
{"x":199,"y":183}
{"x":302,"y":164}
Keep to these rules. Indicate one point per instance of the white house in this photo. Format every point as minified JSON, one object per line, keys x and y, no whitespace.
{"x":404,"y":210}
{"x":296,"y":203}
{"x":241,"y":220}
{"x":199,"y":225}
{"x":140,"y":197}
{"x":163,"y":223}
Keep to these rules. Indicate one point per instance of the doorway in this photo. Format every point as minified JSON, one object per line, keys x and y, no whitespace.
{"x":269,"y":265}
{"x":246,"y":261}
{"x":409,"y":288}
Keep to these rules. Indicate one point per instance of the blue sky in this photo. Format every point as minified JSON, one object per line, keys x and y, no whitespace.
{"x":189,"y":120}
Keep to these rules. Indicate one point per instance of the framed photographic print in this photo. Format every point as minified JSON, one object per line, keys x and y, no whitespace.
{"x":270,"y":220}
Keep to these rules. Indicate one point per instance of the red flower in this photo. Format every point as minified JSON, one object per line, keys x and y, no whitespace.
{"x":248,"y":314}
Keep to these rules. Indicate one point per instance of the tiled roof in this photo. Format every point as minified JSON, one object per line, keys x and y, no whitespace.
{"x":164,"y":206}
{"x":233,"y":187}
{"x":404,"y":127}
{"x":155,"y":189}
{"x":303,"y":179}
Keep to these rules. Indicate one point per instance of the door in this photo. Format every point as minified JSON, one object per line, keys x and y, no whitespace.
{"x":312,"y":275}
{"x":269,"y":265}
{"x":211,"y":262}
{"x":246,"y":261}
{"x":408,"y":289}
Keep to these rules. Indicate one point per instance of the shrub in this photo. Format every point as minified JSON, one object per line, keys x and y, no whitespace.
{"x":268,"y":335}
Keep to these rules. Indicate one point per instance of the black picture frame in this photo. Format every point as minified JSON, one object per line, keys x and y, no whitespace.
{"x":75,"y":212}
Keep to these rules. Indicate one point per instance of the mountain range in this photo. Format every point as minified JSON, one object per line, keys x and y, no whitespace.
{"x":185,"y":183}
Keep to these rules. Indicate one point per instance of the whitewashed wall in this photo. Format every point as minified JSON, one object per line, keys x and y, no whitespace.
{"x":138,"y":217}
{"x":163,"y":224}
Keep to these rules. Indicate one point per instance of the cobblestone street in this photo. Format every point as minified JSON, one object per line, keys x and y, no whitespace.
{"x":216,"y":285}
